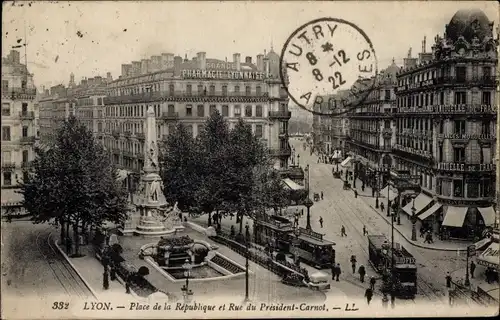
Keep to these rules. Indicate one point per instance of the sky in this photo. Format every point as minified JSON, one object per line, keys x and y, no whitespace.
{"x":92,"y":38}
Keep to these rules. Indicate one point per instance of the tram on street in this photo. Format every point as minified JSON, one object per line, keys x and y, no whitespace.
{"x":312,"y":248}
{"x":405,"y":268}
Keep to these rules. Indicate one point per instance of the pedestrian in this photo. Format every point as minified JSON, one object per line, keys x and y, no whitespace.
{"x":372,"y":283}
{"x":422,"y":231}
{"x":342,"y":231}
{"x":321,"y":195}
{"x":382,"y":207}
{"x":363,"y":187}
{"x":373,"y":192}
{"x":472,"y":268}
{"x":369,"y":295}
{"x":355,"y":193}
{"x":362,"y":273}
{"x":296,"y":221}
{"x":365,"y":232}
{"x":427,"y":238}
{"x":338,"y":272}
{"x":353,"y":263}
{"x":321,"y":221}
{"x":334,"y":271}
{"x":448,"y":280}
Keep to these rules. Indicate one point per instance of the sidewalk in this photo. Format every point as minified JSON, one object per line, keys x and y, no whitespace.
{"x":479,"y":281}
{"x":405,"y":229}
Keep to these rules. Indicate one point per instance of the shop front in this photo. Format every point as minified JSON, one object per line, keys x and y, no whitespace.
{"x":466,"y":223}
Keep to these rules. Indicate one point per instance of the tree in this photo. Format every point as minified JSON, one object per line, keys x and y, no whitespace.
{"x":73,"y":183}
{"x":213,"y":144}
{"x":180,"y":167}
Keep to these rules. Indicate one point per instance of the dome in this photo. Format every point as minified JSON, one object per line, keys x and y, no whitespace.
{"x":468,"y":23}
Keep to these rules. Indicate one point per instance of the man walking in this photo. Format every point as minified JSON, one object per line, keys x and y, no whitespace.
{"x":365,"y":232}
{"x":372,"y":283}
{"x":362,"y":273}
{"x":338,"y":271}
{"x":334,"y":271}
{"x":353,"y":263}
{"x":355,"y":193}
{"x":321,"y":195}
{"x":472,"y":268}
{"x":342,"y":231}
{"x":368,"y":295}
{"x":321,"y":221}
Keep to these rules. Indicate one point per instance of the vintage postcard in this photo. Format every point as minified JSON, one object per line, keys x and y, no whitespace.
{"x":249,"y":159}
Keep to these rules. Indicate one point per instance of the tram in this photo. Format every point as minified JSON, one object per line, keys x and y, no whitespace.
{"x":405,"y":268}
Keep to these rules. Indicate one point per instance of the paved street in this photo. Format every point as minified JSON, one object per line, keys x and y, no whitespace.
{"x":339,"y":207}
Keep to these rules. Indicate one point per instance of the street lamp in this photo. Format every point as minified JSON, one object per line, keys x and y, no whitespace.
{"x":298,"y":159}
{"x":385,"y":249}
{"x":308,"y":203}
{"x":375,"y":184}
{"x":247,"y":240}
{"x":413,"y":222}
{"x":187,"y":273}
{"x":295,"y":244}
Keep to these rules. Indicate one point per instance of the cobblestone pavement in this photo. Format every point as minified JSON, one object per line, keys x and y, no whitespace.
{"x":340,"y":207}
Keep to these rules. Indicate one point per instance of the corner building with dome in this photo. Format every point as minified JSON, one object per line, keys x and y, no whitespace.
{"x":446,"y":127}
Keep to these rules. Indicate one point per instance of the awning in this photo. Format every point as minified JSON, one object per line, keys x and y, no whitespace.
{"x":10,"y":198}
{"x":392,"y":194}
{"x":481,"y":244}
{"x":337,"y":154}
{"x":292,"y":185}
{"x":346,"y":162}
{"x":455,"y":216}
{"x":421,"y":201}
{"x":430,"y":211}
{"x":488,"y":214}
{"x":489,"y":257}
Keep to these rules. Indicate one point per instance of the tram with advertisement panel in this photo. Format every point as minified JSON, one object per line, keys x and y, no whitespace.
{"x":312,"y":248}
{"x":405,"y":267}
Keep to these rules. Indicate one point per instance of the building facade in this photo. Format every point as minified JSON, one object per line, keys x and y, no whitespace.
{"x":19,"y":126}
{"x":372,"y":127}
{"x":188,"y":91}
{"x":446,"y":127}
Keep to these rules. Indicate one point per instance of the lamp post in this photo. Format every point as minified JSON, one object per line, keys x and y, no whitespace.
{"x":247,"y":240}
{"x":375,"y":184}
{"x":187,"y":273}
{"x":385,"y":299}
{"x":295,"y":244}
{"x":298,"y":159}
{"x":308,"y":203}
{"x":413,"y":222}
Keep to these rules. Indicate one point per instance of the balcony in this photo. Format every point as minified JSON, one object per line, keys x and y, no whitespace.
{"x":26,"y":164}
{"x":387,"y":133}
{"x":280,"y":152}
{"x":28,"y":115}
{"x":486,"y":80}
{"x":127,"y":134}
{"x":422,"y":153}
{"x":139,"y":135}
{"x":7,"y":165}
{"x":184,"y":96}
{"x":461,"y":109}
{"x":128,"y":154}
{"x":18,"y":93}
{"x":170,"y":116}
{"x":27,"y":140}
{"x":463,"y":167}
{"x":115,"y":133}
{"x":280,"y":114}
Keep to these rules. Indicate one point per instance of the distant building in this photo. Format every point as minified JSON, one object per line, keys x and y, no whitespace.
{"x":19,"y":127}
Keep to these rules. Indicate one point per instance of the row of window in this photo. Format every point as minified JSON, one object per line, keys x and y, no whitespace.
{"x":7,"y":109}
{"x":200,"y":89}
{"x":459,"y":126}
{"x":460,"y":74}
{"x":6,"y":132}
{"x":427,"y":99}
{"x":190,"y":111}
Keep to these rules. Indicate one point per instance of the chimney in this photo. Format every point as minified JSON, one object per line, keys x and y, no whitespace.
{"x":423,"y":45}
{"x":144,"y":66}
{"x":177,"y":65}
{"x":266,"y":66}
{"x":155,"y":63}
{"x":126,"y":71}
{"x":14,"y":56}
{"x":236,"y":60}
{"x":109,"y":78}
{"x":202,"y":60}
{"x":186,"y":58}
{"x":248,"y":60}
{"x":167,"y":60}
{"x":136,"y":68}
{"x":260,"y":62}
{"x":410,"y":62}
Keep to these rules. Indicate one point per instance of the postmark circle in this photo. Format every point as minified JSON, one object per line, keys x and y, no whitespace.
{"x":324,"y":57}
